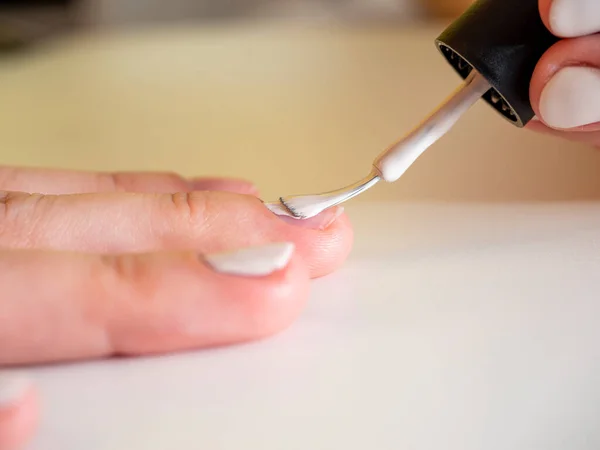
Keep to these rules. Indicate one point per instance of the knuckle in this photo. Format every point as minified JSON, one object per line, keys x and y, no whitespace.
{"x":123,"y":270}
{"x":19,"y":218}
{"x":126,"y":287}
{"x":193,"y":208}
{"x":146,"y":312}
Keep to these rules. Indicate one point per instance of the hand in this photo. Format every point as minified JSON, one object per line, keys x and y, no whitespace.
{"x":111,"y":267}
{"x":103,"y":265}
{"x":565,"y":89}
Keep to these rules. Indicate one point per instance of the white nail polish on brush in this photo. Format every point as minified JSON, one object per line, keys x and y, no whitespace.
{"x":253,"y":262}
{"x":396,"y":160}
{"x":571,"y":98}
{"x":573,"y":18}
{"x":12,"y":389}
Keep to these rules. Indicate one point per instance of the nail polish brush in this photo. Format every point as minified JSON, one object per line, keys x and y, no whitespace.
{"x":494,"y":47}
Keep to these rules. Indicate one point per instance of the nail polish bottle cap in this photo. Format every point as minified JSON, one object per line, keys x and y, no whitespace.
{"x":503,"y":40}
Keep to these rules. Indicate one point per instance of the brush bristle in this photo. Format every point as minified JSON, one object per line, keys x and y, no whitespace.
{"x":293,"y":211}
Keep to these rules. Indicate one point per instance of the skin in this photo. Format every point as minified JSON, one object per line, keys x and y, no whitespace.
{"x":145,"y":290}
{"x":93,"y":280}
{"x":580,"y":51}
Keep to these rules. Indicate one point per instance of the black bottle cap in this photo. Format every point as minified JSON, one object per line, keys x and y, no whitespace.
{"x":503,"y":40}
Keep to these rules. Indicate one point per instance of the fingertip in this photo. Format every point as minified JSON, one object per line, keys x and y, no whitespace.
{"x":547,"y":66}
{"x":589,"y":138}
{"x":334,"y":247}
{"x":258,"y":307}
{"x":545,"y":12}
{"x":324,"y":241}
{"x":571,"y":18}
{"x":285,"y":294}
{"x":18,"y":411}
{"x":571,"y":104}
{"x":240,"y":221}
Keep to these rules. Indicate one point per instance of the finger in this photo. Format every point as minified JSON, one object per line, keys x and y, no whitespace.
{"x":57,"y":181}
{"x":571,"y":18}
{"x":234,"y":186}
{"x":591,"y":138}
{"x":64,"y":306}
{"x":565,"y":89}
{"x":18,"y":411}
{"x":203,"y":221}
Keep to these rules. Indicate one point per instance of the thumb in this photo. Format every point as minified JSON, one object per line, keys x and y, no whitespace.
{"x":571,"y":18}
{"x":565,"y":88}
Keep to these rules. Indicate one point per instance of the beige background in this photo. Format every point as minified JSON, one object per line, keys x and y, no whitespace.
{"x":293,"y":108}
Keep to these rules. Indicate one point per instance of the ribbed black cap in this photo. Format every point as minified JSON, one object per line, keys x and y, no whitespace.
{"x":503,"y":40}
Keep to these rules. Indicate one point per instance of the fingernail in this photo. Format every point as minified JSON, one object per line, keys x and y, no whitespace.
{"x":572,"y":98}
{"x":320,"y":222}
{"x":254,"y":261}
{"x":573,"y":18}
{"x":12,"y":389}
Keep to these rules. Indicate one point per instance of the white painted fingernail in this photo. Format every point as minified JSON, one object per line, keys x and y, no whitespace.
{"x":254,"y":261}
{"x":12,"y":389}
{"x":572,"y":98}
{"x":573,"y":18}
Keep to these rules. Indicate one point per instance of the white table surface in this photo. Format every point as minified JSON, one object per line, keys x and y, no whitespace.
{"x":451,"y":327}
